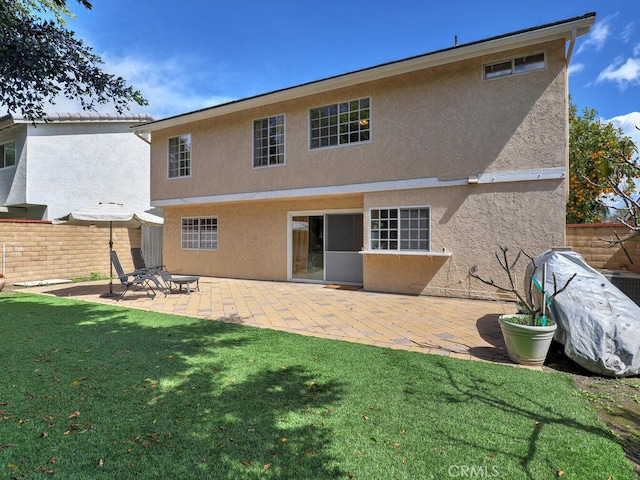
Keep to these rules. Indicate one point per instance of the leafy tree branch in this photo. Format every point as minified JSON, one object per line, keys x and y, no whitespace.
{"x":41,"y":59}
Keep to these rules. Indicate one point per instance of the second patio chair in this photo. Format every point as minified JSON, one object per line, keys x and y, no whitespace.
{"x":139,"y":263}
{"x":139,"y":278}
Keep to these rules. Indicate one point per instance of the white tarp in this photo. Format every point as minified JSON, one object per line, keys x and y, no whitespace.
{"x":598,"y":325}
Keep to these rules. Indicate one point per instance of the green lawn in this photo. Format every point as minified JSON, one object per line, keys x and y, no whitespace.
{"x":93,"y":391}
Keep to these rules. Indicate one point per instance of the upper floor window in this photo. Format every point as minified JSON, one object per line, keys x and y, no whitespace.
{"x":200,"y":233}
{"x":268,"y":141}
{"x":340,"y":123}
{"x":400,"y":228}
{"x":8,"y":154}
{"x":180,"y":156}
{"x":516,"y":65}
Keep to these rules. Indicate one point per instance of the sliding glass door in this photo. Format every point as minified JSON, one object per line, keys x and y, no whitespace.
{"x":325,"y":248}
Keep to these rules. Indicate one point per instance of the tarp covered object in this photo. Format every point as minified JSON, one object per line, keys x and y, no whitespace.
{"x":598,"y":325}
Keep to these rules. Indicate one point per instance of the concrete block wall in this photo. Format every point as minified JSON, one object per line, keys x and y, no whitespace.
{"x":586,"y":240}
{"x":38,"y":250}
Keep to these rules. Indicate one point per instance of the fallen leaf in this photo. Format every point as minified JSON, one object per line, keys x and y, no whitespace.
{"x":396,"y":445}
{"x":247,"y":463}
{"x":283,"y":440}
{"x":75,"y":382}
{"x":73,"y":414}
{"x":44,"y":435}
{"x":538,"y":422}
{"x":267,"y":466}
{"x":100,"y":463}
{"x":365,"y":417}
{"x":7,"y":445}
{"x":560,"y":473}
{"x":311,"y":452}
{"x":404,"y":460}
{"x":403,"y":431}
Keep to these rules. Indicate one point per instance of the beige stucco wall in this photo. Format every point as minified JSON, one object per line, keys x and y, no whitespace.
{"x":445,"y":122}
{"x":471,"y":223}
{"x":252,"y":237}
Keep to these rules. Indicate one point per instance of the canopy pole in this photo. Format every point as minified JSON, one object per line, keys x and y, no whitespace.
{"x":110,"y":262}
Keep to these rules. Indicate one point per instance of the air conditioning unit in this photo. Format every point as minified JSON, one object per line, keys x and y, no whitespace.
{"x":627,"y":282}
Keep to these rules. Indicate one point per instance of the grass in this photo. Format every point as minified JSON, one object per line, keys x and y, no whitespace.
{"x":103,"y":392}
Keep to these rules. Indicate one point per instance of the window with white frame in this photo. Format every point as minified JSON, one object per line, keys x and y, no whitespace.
{"x":400,"y":228}
{"x":200,"y":233}
{"x":180,"y":156}
{"x":340,"y":124}
{"x":514,"y":66}
{"x":268,"y":141}
{"x":8,"y":154}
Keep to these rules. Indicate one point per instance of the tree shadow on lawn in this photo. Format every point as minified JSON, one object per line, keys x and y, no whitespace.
{"x":537,"y":419}
{"x":158,"y":396}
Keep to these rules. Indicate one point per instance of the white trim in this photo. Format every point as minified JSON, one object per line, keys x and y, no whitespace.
{"x":310,"y":213}
{"x":169,"y":177}
{"x":405,"y":252}
{"x":399,"y":228}
{"x":253,"y":143}
{"x":390,"y":185}
{"x":338,"y":145}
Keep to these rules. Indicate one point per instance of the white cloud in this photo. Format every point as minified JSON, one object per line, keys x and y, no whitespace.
{"x":624,"y":74}
{"x":575,"y":68}
{"x":628,"y":123}
{"x":171,"y":86}
{"x":627,"y":32}
{"x":598,"y":35}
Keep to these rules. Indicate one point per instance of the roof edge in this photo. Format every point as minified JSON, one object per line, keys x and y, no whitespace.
{"x":72,"y":117}
{"x":567,"y":29}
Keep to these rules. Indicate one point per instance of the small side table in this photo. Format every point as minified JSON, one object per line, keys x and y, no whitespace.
{"x":186,"y":281}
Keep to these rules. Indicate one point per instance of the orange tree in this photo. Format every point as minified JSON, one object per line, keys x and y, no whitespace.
{"x":600,"y":166}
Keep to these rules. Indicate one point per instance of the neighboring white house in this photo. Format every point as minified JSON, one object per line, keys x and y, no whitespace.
{"x":69,"y":161}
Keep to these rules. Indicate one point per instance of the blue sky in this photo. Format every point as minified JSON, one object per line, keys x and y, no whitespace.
{"x":197,"y":53}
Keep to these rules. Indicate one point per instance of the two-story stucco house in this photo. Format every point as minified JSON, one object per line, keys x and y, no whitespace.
{"x":69,"y":161}
{"x":400,"y":177}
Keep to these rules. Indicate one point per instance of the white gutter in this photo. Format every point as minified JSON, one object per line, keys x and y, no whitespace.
{"x":554,"y":173}
{"x":572,"y":42}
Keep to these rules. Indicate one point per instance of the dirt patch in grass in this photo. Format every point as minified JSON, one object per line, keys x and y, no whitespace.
{"x":616,"y":400}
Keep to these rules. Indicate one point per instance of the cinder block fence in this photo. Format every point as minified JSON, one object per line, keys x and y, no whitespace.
{"x":38,"y":250}
{"x":586,"y":240}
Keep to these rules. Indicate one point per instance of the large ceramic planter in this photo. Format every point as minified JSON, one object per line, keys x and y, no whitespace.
{"x":526,"y":345}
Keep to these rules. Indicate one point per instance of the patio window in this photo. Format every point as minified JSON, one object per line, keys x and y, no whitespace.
{"x":180,"y":156}
{"x":400,"y":228}
{"x":528,"y":63}
{"x":8,"y":154}
{"x":268,"y":141}
{"x":200,"y":233}
{"x":340,"y":124}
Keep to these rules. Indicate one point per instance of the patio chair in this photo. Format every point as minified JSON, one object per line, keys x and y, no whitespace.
{"x":139,"y":263}
{"x":170,"y":280}
{"x":140,"y":278}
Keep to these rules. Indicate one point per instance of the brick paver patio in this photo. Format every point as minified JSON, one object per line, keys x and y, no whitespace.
{"x":459,"y":328}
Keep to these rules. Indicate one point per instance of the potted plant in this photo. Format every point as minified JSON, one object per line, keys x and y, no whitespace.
{"x":527,"y":333}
